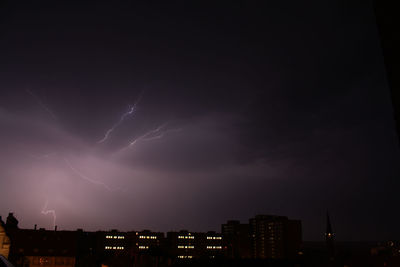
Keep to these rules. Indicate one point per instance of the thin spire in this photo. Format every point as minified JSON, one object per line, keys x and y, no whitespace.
{"x":329,"y":238}
{"x":328,"y":224}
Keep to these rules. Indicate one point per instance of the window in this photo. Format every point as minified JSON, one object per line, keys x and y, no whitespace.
{"x":115,"y":237}
{"x":214,"y":247}
{"x":186,"y":247}
{"x":185,"y":237}
{"x":214,"y":237}
{"x":109,"y":247}
{"x":148,"y":237}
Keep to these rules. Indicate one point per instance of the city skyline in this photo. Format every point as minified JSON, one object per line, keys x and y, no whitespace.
{"x":185,"y":115}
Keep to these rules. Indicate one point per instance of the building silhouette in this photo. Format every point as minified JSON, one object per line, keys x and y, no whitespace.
{"x":30,"y":247}
{"x":274,"y":237}
{"x":188,"y":245}
{"x":265,"y":237}
{"x":236,"y":240}
{"x":54,"y":248}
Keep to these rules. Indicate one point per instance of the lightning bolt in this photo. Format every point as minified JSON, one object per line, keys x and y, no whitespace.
{"x":45,"y":211}
{"x":150,"y":135}
{"x":154,"y":134}
{"x":40,"y":102}
{"x":86,"y":178}
{"x":131,"y":110}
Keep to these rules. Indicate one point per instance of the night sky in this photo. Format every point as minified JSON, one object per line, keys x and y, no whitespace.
{"x":185,"y":114}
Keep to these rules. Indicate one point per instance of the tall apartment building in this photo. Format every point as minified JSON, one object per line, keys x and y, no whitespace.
{"x":274,"y":237}
{"x":236,"y":240}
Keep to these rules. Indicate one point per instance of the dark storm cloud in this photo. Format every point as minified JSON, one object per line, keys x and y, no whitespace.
{"x":241,"y":109}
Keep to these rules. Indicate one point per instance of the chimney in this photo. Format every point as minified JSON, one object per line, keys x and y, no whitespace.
{"x":55,"y":228}
{"x":35,"y":226}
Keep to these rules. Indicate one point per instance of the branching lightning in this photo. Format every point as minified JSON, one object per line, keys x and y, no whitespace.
{"x":131,"y":111}
{"x":46,"y":211}
{"x":150,"y":135}
{"x":154,"y":134}
{"x":40,"y":102}
{"x":92,"y":181}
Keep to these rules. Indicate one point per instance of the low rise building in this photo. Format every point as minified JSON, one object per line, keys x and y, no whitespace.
{"x":40,"y":247}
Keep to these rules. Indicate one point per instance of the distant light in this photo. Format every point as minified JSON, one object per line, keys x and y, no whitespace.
{"x":115,"y":237}
{"x":114,"y":248}
{"x":148,"y":237}
{"x":214,"y":247}
{"x":214,"y":237}
{"x":186,"y":237}
{"x":186,"y":247}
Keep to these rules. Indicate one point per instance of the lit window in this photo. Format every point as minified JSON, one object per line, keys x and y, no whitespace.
{"x":143,"y":247}
{"x":214,"y":247}
{"x":147,"y":237}
{"x":185,"y":246}
{"x":214,"y":237}
{"x":186,"y":237}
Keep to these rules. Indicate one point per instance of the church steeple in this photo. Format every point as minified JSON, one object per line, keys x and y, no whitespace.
{"x":329,"y":237}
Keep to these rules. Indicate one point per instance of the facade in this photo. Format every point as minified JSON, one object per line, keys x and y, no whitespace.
{"x":147,"y":240}
{"x":4,"y":241}
{"x":148,"y":247}
{"x":236,"y":240}
{"x":104,"y":247}
{"x":183,"y":245}
{"x":114,"y":241}
{"x":212,"y":245}
{"x":188,"y":245}
{"x":274,"y":237}
{"x":40,"y":247}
